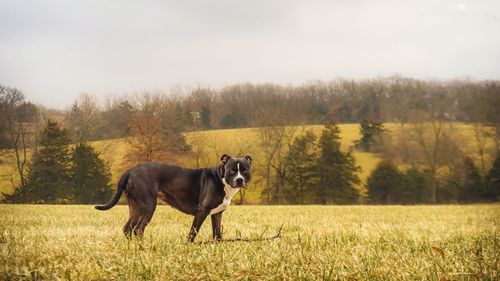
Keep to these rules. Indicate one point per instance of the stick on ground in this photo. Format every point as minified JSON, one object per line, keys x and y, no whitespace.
{"x":278,"y":235}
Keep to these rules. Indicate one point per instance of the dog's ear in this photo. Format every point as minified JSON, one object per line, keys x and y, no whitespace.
{"x":225,"y":158}
{"x":249,"y":159}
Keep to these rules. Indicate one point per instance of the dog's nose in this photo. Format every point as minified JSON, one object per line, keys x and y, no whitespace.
{"x":239,"y":181}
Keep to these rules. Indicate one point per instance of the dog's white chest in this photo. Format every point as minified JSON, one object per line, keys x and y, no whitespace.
{"x":230,"y":192}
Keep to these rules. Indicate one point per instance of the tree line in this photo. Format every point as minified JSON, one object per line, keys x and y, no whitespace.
{"x":387,"y":99}
{"x":387,"y":184}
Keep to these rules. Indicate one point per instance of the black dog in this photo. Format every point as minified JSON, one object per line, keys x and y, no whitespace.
{"x":197,"y":192}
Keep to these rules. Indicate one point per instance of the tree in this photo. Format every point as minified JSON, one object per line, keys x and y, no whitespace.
{"x":337,"y":170}
{"x":155,"y":127}
{"x":17,"y":131}
{"x":491,"y":103}
{"x":300,"y":169}
{"x":472,"y":185}
{"x":481,"y":140}
{"x":174,"y":121}
{"x":493,"y":181}
{"x":229,"y":121}
{"x":145,"y":139}
{"x":206,"y":117}
{"x":385,"y":183}
{"x":84,"y":119}
{"x":199,"y":151}
{"x":10,"y":99}
{"x":23,"y":135}
{"x":415,"y":186}
{"x":451,"y":184}
{"x":436,"y":147}
{"x":275,"y":139}
{"x":115,"y":117}
{"x":369,"y":130}
{"x":90,"y":176}
{"x":48,"y":179}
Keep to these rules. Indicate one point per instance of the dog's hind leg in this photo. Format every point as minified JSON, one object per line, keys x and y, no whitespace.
{"x":141,"y":195}
{"x":134,"y":217}
{"x":146,"y":213}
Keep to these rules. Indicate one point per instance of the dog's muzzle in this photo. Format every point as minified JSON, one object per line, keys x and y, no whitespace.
{"x":240,"y":182}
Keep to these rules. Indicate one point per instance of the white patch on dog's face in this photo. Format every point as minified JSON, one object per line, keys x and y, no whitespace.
{"x":230,"y":192}
{"x":239,"y":176}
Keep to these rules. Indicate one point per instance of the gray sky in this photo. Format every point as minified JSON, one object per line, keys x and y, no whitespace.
{"x":54,"y":50}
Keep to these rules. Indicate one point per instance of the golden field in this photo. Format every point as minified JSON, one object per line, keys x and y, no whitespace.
{"x":39,"y":242}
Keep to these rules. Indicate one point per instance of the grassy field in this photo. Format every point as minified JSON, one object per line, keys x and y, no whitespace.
{"x":318,"y":242}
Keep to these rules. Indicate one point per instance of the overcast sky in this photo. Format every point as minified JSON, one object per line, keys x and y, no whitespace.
{"x":55,"y":50}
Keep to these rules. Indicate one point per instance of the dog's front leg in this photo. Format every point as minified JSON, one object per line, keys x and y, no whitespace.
{"x":199,"y":218}
{"x":216,"y":228}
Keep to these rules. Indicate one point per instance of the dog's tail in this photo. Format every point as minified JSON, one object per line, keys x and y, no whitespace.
{"x":119,"y":190}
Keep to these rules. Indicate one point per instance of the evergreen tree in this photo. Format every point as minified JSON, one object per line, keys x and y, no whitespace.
{"x":301,"y":169}
{"x":337,"y":170}
{"x":416,"y":187}
{"x":90,"y":176}
{"x":385,"y":184}
{"x":48,"y":178}
{"x":472,"y":186}
{"x":229,"y":121}
{"x":493,"y":180}
{"x":206,"y":117}
{"x":369,"y":130}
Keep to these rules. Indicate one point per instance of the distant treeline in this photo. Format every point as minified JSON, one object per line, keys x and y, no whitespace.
{"x":390,"y":99}
{"x":424,"y":161}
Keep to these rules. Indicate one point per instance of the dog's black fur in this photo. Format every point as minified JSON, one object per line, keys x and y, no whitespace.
{"x":192,"y":191}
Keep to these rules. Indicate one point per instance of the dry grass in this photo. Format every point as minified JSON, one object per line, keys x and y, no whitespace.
{"x":319,"y":242}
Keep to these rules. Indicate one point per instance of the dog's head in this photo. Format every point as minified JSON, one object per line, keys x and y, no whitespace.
{"x":237,"y":170}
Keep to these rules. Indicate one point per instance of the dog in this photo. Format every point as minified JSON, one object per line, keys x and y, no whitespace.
{"x":198,"y":192}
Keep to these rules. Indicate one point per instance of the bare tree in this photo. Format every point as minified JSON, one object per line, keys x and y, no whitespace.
{"x":200,"y":150}
{"x":84,"y":119}
{"x":18,"y":118}
{"x":155,"y":125}
{"x":435,"y":147}
{"x":481,"y":139}
{"x":145,"y":130}
{"x":10,"y":99}
{"x":145,"y":139}
{"x":490,"y":106}
{"x":275,"y":139}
